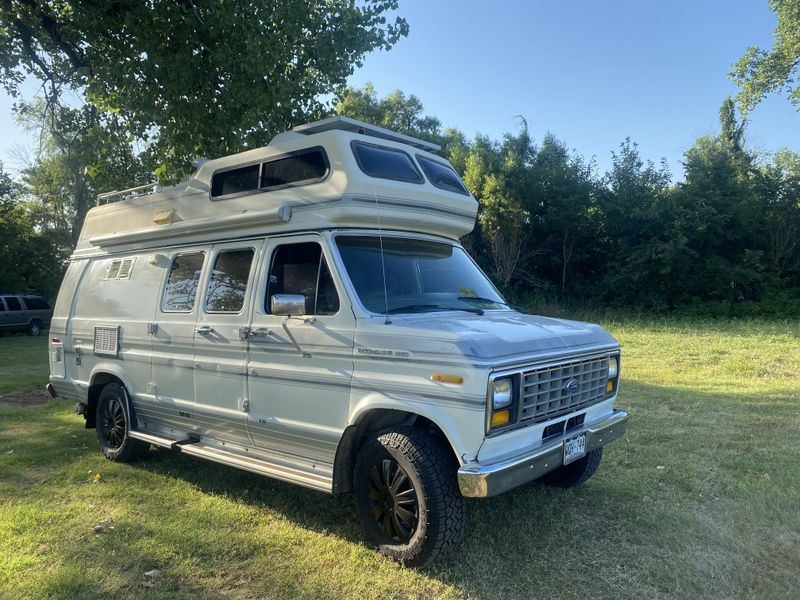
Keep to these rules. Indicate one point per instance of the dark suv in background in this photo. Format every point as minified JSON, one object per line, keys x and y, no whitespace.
{"x":19,"y":312}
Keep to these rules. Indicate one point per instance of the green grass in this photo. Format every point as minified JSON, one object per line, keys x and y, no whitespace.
{"x":23,"y":362}
{"x":699,"y":500}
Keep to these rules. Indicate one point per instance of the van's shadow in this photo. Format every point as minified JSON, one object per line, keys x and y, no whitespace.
{"x":536,"y":535}
{"x":502,"y":533}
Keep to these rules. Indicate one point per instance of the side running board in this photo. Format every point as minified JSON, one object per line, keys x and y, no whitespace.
{"x":260,"y":463}
{"x":157,"y":440}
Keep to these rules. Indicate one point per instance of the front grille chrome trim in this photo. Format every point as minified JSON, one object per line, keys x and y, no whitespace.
{"x":544,"y":393}
{"x":540,"y":388}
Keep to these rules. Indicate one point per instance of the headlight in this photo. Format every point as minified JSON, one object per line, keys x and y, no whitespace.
{"x":502,"y":393}
{"x":613,"y":367}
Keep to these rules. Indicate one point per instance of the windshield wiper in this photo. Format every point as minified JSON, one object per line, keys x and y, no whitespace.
{"x":500,"y":302}
{"x":431,"y":307}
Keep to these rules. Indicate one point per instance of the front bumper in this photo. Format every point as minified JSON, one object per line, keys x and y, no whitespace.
{"x":480,"y":481}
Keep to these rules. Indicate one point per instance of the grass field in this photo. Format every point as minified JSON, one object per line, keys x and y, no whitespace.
{"x":23,"y":362}
{"x":701,"y":499}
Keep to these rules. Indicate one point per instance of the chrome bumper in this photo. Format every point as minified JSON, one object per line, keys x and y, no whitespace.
{"x":480,"y":481}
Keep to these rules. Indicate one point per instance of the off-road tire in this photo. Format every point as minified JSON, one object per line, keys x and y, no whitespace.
{"x":34,"y":328}
{"x":576,"y":473}
{"x":113,"y":426}
{"x":431,"y":470}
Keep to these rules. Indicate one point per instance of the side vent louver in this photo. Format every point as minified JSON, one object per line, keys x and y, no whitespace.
{"x":113,"y":269}
{"x":126,"y":268}
{"x":106,"y":340}
{"x":120,"y":268}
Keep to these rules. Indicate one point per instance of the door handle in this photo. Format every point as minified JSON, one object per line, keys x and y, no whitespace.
{"x":204,"y":330}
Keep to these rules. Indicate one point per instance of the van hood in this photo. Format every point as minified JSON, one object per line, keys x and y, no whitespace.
{"x":496,"y":337}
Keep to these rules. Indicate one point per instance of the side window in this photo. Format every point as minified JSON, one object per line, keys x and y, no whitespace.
{"x":12,"y":302}
{"x":386,"y":163}
{"x":441,"y":175}
{"x":302,"y":269}
{"x":227,"y":285}
{"x":36,"y":303}
{"x":307,"y":166}
{"x":181,"y":288}
{"x":243,"y":179}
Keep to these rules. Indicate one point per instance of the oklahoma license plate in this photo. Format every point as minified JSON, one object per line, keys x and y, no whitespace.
{"x":574,"y":448}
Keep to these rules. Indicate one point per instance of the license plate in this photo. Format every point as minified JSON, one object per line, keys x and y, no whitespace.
{"x":574,"y":448}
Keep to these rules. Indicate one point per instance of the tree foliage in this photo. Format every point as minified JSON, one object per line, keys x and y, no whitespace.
{"x":760,"y":72}
{"x":193,"y":78}
{"x":727,"y":237}
{"x":30,"y":258}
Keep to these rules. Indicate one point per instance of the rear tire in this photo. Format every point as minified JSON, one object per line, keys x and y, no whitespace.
{"x":113,"y":426}
{"x":34,"y":328}
{"x":407,"y":495}
{"x":576,"y":473}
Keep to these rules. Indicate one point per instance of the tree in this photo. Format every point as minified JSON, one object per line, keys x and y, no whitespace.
{"x":560,"y":192}
{"x":396,"y":111}
{"x":193,"y":78}
{"x":30,"y":260}
{"x":638,"y":245}
{"x":81,"y":151}
{"x":760,"y":72}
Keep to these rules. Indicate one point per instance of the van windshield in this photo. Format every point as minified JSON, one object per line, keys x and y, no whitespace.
{"x":421,"y":276}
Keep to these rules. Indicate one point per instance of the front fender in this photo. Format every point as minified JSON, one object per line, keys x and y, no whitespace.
{"x":461,"y":425}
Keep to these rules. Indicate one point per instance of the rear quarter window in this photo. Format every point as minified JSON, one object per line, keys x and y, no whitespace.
{"x":34,"y":303}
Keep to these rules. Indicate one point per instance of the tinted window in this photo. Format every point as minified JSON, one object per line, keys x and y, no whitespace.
{"x":295,"y":169}
{"x":35,"y":303}
{"x":12,"y":303}
{"x":181,"y":287}
{"x":302,"y":269}
{"x":441,"y":175}
{"x":244,"y":179}
{"x":227,"y":285}
{"x":386,"y":163}
{"x":420,"y":275}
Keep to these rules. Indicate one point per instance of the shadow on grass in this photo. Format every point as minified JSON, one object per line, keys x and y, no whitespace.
{"x":669,"y":513}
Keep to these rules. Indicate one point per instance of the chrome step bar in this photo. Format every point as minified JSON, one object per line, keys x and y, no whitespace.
{"x":255,"y":462}
{"x":314,"y":480}
{"x":156,"y":440}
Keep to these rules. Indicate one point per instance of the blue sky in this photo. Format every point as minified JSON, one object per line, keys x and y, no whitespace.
{"x":589,"y":72}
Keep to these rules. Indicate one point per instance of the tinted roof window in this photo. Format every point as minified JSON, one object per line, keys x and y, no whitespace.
{"x":244,"y":179}
{"x":442,"y":175}
{"x":386,"y":163}
{"x":302,"y":167}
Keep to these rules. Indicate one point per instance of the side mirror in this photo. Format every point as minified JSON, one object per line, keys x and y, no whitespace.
{"x":288,"y":305}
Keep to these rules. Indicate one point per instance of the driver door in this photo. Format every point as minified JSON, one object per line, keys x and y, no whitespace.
{"x":299,"y":368}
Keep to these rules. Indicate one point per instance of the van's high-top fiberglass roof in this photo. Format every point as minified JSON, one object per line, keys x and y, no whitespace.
{"x":333,"y":173}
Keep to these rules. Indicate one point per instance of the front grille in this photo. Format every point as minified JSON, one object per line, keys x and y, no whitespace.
{"x":545,"y":393}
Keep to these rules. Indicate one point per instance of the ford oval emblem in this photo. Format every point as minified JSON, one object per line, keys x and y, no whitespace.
{"x":572,"y":386}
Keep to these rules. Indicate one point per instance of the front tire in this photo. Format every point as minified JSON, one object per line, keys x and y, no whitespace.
{"x":34,"y":328}
{"x":576,"y":473}
{"x":407,"y":495}
{"x":113,"y":426}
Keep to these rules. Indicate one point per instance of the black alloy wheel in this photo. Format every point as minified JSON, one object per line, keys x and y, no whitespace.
{"x":113,"y":426}
{"x":114,"y":423}
{"x":393,"y":501}
{"x":407,"y":495}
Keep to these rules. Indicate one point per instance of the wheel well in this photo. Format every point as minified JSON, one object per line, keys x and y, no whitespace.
{"x":355,"y":435}
{"x":99,"y":381}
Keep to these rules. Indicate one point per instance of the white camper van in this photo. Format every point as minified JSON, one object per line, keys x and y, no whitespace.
{"x":305,"y":311}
